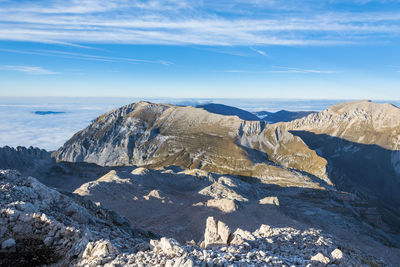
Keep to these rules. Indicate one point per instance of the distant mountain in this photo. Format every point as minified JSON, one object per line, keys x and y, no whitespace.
{"x":48,"y":112}
{"x":229,"y":111}
{"x":282,"y":115}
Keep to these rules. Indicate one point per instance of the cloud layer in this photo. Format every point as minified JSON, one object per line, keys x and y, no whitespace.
{"x":182,"y":22}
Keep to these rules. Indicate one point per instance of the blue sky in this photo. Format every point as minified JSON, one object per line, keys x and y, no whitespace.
{"x":319,"y":49}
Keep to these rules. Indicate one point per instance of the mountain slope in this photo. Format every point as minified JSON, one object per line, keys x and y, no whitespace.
{"x":43,"y":227}
{"x":361,"y":141}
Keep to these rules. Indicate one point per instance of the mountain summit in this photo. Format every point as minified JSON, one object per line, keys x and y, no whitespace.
{"x":148,"y":134}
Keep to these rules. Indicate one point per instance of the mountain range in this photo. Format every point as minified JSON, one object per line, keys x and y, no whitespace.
{"x":168,"y":168}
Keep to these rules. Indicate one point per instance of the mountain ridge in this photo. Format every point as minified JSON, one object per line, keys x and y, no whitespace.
{"x":161,"y":135}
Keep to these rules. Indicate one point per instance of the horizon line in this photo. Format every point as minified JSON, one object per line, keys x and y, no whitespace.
{"x":206,"y":98}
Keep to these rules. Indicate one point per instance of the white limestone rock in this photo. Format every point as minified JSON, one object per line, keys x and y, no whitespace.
{"x":216,"y":233}
{"x":337,"y":255}
{"x":269,"y":201}
{"x":320,"y":259}
{"x":225,"y":205}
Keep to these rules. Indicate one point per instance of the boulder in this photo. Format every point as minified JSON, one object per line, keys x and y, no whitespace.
{"x":168,"y":246}
{"x":216,"y":233}
{"x":224,"y":204}
{"x":337,"y":255}
{"x":320,"y":259}
{"x":100,"y":249}
{"x":224,"y":232}
{"x":270,"y":201}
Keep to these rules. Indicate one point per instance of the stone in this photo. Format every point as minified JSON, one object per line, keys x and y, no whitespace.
{"x":269,"y":201}
{"x":237,"y":240}
{"x":216,"y":233}
{"x":320,"y":258}
{"x":169,"y":246}
{"x":211,"y":232}
{"x":244,"y":234}
{"x":337,"y":255}
{"x":100,"y":249}
{"x":223,"y":232}
{"x":225,"y":205}
{"x":7,"y":244}
{"x":153,"y":244}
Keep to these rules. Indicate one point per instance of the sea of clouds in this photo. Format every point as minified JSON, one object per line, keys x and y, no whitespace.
{"x":20,"y":126}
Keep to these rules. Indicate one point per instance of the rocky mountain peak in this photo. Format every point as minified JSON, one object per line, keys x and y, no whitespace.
{"x":363,"y":122}
{"x":148,"y":134}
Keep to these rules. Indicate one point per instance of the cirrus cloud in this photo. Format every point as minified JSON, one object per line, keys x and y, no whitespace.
{"x":34,"y":70}
{"x":187,"y":22}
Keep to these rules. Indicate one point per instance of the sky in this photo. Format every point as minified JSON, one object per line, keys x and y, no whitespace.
{"x":293,"y":49}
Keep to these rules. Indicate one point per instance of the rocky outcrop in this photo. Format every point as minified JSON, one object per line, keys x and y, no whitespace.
{"x":216,"y":233}
{"x":41,"y":226}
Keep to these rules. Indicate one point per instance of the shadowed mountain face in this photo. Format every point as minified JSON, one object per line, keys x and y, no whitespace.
{"x":147,"y":134}
{"x":229,"y":111}
{"x":28,"y":160}
{"x":282,"y":115}
{"x":360,"y":140}
{"x":357,"y":167}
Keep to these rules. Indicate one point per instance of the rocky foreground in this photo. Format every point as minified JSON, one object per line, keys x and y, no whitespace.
{"x":41,"y":226}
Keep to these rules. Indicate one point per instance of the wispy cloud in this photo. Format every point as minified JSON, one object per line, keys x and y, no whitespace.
{"x":34,"y":70}
{"x":83,"y":56}
{"x":259,"y":52}
{"x":299,"y":70}
{"x":278,"y":69}
{"x":192,"y":22}
{"x":240,"y":71}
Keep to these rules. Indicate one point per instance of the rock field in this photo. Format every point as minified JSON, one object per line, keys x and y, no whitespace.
{"x":46,"y":227}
